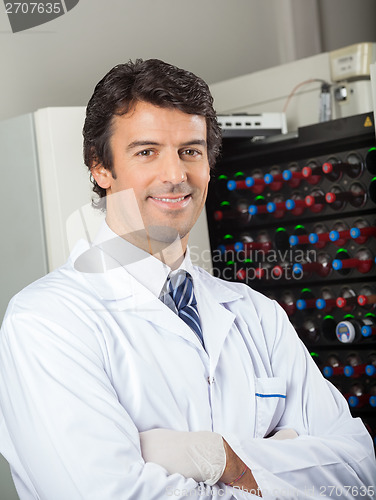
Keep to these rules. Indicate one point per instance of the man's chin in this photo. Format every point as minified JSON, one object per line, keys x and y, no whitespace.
{"x":164,"y":235}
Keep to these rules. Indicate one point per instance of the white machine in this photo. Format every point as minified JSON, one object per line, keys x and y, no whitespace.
{"x":299,"y":86}
{"x":252,"y":125}
{"x":350,"y":74}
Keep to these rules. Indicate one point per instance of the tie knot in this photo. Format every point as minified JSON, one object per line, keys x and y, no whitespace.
{"x":181,"y":290}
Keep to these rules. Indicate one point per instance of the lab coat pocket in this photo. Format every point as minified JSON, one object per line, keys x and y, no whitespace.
{"x":270,"y":396}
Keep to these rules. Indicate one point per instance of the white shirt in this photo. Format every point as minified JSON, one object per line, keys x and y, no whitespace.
{"x":89,"y":359}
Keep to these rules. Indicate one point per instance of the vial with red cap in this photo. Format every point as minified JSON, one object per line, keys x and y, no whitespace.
{"x":367,"y":297}
{"x":347,"y":300}
{"x":356,"y":196}
{"x":312,"y":173}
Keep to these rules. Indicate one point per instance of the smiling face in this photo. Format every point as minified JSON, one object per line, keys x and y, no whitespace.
{"x":161,"y":154}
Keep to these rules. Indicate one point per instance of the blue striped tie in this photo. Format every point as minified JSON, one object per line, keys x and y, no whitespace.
{"x":180,"y":289}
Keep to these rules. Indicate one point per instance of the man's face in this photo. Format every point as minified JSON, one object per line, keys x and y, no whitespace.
{"x":161,"y":153}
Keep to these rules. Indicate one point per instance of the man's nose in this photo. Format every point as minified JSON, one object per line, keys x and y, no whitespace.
{"x":172,"y":169}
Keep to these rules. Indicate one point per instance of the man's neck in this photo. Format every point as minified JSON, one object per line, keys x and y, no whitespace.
{"x":170,"y":253}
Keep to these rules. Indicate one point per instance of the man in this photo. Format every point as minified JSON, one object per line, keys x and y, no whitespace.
{"x":131,"y":374}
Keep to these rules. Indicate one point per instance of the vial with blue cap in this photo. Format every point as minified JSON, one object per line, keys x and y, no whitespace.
{"x":357,"y":396}
{"x":320,"y":235}
{"x":274,"y":179}
{"x":363,"y":232}
{"x":276,"y":207}
{"x":333,"y":366}
{"x":327,"y":302}
{"x":293,"y":176}
{"x":372,"y":399}
{"x":307,"y":300}
{"x":296,"y":205}
{"x":371,"y":366}
{"x":368,"y":329}
{"x":259,"y":207}
{"x":255,"y":182}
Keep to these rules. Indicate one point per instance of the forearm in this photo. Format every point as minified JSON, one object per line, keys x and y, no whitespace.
{"x":204,"y":456}
{"x":308,"y":467}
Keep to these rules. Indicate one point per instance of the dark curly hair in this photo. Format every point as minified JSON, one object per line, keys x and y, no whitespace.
{"x":152,"y":81}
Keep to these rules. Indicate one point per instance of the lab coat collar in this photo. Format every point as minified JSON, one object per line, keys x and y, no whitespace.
{"x":111,"y":261}
{"x":219,"y":289}
{"x":110,"y":254}
{"x":138,"y":263}
{"x":129,"y":279}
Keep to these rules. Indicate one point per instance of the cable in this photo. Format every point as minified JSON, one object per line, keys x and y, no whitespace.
{"x":311,"y":80}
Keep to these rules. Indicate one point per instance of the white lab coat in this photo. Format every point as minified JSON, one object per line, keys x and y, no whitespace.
{"x":89,"y":360}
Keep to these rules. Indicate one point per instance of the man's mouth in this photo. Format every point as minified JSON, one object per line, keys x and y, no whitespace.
{"x":170,"y":200}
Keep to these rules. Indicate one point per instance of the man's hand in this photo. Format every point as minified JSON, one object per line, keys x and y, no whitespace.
{"x":234,"y":468}
{"x":199,"y":455}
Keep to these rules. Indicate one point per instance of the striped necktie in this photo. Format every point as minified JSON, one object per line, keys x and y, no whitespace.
{"x":184,"y":304}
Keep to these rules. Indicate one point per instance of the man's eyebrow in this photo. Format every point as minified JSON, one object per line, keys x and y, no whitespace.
{"x":193,"y":142}
{"x":136,"y":144}
{"x":145,"y":142}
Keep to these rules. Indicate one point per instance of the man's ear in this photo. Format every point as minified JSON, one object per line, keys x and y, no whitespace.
{"x":102,"y":176}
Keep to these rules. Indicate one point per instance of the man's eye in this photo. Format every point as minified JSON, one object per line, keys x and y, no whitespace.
{"x":145,"y":152}
{"x":190,"y":152}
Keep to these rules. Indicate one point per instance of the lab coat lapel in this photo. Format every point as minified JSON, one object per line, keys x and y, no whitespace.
{"x":216,"y":319}
{"x":158,"y":314}
{"x":121,"y":292}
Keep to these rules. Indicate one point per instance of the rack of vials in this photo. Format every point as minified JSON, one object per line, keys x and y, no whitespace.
{"x":294,"y":217}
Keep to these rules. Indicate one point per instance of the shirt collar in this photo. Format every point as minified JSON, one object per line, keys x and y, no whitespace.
{"x":139,"y":264}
